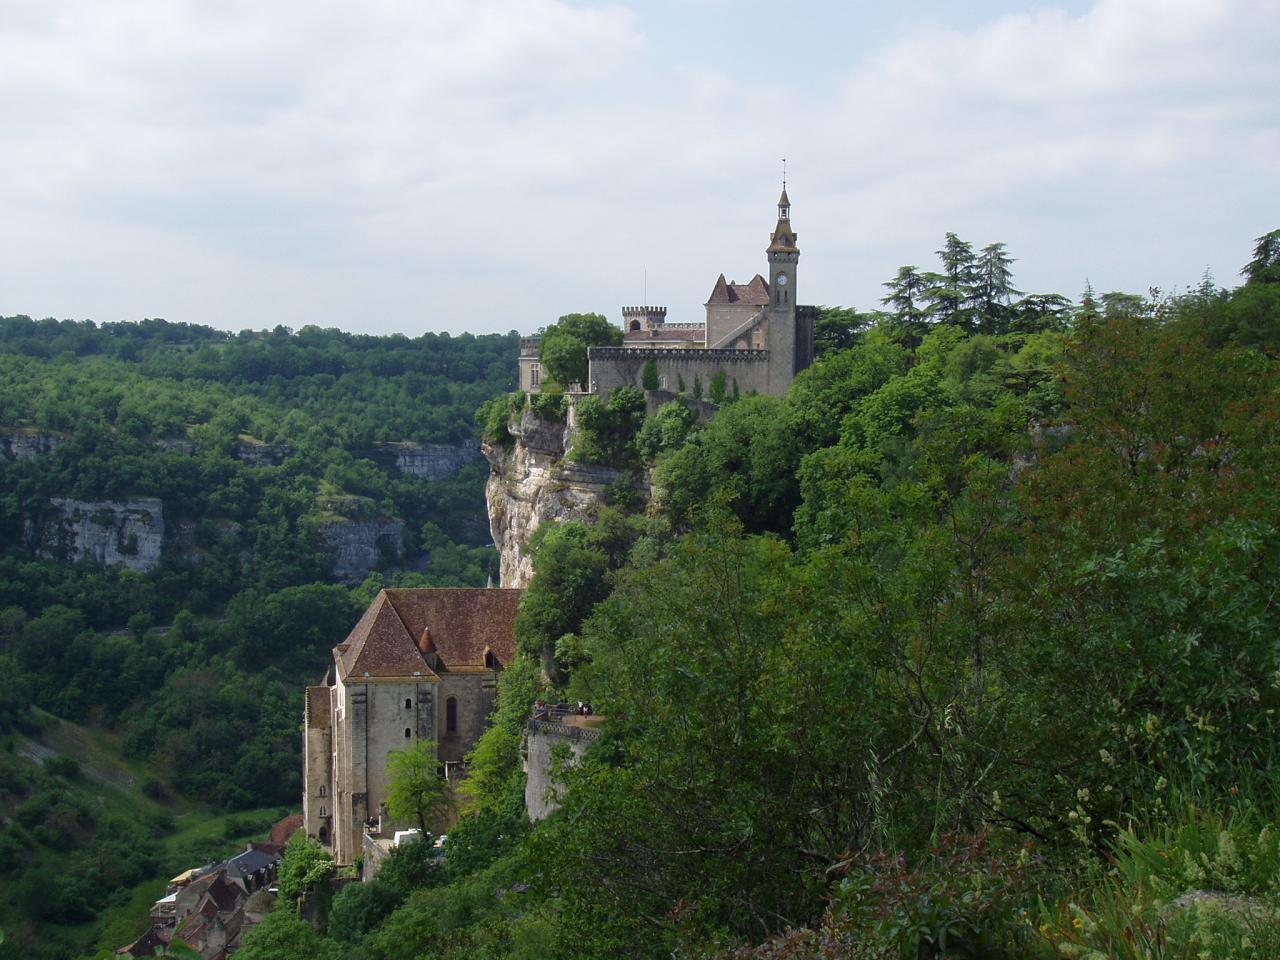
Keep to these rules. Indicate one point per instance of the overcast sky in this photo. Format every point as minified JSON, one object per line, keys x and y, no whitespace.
{"x":487,"y":165}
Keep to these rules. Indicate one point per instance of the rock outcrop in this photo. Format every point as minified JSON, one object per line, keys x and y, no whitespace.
{"x":532,"y":483}
{"x":433,"y":461}
{"x":111,"y":533}
{"x":27,"y":446}
{"x":360,"y":545}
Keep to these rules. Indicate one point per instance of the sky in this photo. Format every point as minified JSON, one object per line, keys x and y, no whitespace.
{"x":488,"y":165}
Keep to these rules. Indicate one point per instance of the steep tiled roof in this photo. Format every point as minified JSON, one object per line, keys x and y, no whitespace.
{"x":755,"y":293}
{"x":464,"y":623}
{"x":381,"y":646}
{"x":318,"y":714}
{"x":147,"y":945}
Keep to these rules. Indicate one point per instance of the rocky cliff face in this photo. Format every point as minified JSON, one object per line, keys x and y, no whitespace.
{"x":532,"y":483}
{"x":26,"y":446}
{"x":125,"y":533}
{"x":433,"y":461}
{"x":360,"y":545}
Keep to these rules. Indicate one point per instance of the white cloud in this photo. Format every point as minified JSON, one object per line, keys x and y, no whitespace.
{"x":396,"y":165}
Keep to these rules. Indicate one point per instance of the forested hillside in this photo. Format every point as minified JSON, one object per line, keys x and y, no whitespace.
{"x":189,"y":521}
{"x":964,"y":647}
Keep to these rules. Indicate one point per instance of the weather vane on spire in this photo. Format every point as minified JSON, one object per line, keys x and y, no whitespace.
{"x":784,"y":173}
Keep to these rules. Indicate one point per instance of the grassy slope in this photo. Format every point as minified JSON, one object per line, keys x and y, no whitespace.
{"x":111,"y":782}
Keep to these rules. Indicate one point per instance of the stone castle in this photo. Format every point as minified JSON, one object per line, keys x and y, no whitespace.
{"x":422,"y":664}
{"x":754,"y":333}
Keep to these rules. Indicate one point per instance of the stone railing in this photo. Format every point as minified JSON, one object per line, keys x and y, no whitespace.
{"x":552,"y":720}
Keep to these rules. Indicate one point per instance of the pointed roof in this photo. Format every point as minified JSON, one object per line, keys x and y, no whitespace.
{"x":783,"y":237}
{"x":456,"y":624}
{"x":381,"y":645}
{"x":755,"y":293}
{"x":782,"y":200}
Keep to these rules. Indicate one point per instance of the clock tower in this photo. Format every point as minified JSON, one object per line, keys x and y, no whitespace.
{"x":783,"y":257}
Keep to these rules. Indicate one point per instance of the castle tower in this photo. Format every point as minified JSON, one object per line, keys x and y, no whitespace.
{"x":636,"y":319}
{"x":783,"y":258}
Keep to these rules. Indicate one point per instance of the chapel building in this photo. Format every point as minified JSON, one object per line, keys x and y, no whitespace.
{"x":422,"y":664}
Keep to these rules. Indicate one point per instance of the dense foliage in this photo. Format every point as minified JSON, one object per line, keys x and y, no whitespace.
{"x":254,"y":444}
{"x":942,"y":653}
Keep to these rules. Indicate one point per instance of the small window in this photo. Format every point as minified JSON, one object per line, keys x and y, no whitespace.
{"x":407,"y":733}
{"x":535,"y":374}
{"x":322,"y":789}
{"x":451,"y":715}
{"x":408,"y":703}
{"x":324,"y":812}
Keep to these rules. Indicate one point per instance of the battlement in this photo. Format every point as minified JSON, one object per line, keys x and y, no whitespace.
{"x":678,"y":353}
{"x":644,"y":311}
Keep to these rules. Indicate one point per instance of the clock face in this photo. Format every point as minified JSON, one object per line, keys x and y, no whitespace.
{"x":782,"y":280}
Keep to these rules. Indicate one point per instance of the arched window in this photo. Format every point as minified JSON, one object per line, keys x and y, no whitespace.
{"x":322,"y":792}
{"x":408,"y":703}
{"x":635,"y":326}
{"x":324,"y":812}
{"x":407,"y":733}
{"x":451,"y":715}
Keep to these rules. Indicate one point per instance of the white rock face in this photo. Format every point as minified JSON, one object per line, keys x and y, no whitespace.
{"x":359,"y":545}
{"x":125,"y":533}
{"x":433,"y":461}
{"x":28,"y":446}
{"x":530,"y":484}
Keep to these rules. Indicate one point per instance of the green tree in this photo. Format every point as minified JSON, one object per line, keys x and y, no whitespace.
{"x":563,"y":353}
{"x":306,"y":866}
{"x":649,"y":377}
{"x":417,"y":792}
{"x":282,"y":935}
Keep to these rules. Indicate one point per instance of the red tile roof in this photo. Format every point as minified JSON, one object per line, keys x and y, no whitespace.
{"x":283,"y":829}
{"x":464,"y":623}
{"x":755,"y":293}
{"x":319,"y":716}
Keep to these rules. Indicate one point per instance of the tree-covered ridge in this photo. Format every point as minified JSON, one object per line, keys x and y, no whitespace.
{"x":963,"y":647}
{"x":257,"y":447}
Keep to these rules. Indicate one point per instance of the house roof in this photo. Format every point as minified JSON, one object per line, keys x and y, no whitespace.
{"x":755,"y":292}
{"x":462,"y":625}
{"x":147,"y":944}
{"x":318,"y":714}
{"x":251,"y":861}
{"x":694,"y":334}
{"x":285,"y":828}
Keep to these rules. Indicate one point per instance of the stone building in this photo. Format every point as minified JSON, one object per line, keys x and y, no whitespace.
{"x":422,"y":664}
{"x":753,"y":333}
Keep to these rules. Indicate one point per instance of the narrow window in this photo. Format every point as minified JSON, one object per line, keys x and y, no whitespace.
{"x":408,"y":703}
{"x":407,"y":733}
{"x":451,"y":715}
{"x":324,"y":812}
{"x":322,"y":792}
{"x":535,"y":374}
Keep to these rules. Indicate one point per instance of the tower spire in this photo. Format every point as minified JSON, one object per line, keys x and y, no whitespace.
{"x":784,"y":205}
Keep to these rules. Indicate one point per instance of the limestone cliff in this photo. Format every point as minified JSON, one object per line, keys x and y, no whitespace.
{"x":126,"y":533}
{"x":433,"y":460}
{"x":531,"y":482}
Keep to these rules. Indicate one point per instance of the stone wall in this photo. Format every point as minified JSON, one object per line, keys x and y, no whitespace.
{"x":110,"y":533}
{"x":542,"y":735}
{"x":613,"y":367}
